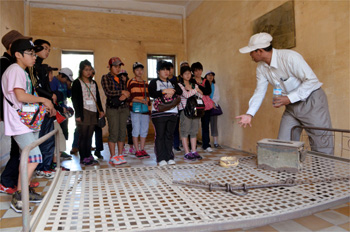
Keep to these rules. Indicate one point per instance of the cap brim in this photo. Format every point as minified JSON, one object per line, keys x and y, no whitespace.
{"x":246,"y":49}
{"x":138,"y":66}
{"x":38,"y":48}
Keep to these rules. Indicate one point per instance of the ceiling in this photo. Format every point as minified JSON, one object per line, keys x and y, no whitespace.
{"x":160,"y":8}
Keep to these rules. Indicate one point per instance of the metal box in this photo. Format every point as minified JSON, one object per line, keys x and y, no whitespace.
{"x":280,"y":155}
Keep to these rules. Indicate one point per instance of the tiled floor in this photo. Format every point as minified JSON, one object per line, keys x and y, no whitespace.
{"x":333,"y":219}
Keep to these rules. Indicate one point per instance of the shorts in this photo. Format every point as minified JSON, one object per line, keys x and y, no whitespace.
{"x":188,"y":126}
{"x":117,"y":119}
{"x":26,"y":139}
{"x":140,"y":124}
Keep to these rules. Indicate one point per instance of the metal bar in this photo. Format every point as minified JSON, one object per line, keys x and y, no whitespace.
{"x":24,"y":177}
{"x":317,"y":128}
{"x":323,"y":129}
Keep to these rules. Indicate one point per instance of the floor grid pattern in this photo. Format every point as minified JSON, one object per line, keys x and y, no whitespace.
{"x":144,"y":198}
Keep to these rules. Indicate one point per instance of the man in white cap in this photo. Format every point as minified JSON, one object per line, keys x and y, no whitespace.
{"x":304,"y":100}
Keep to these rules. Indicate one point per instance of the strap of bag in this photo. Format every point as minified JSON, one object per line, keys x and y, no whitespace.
{"x":98,"y":109}
{"x":144,"y":85}
{"x":11,"y":104}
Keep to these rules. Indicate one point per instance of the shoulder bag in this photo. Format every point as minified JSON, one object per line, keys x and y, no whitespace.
{"x":209,"y":104}
{"x":101,"y":121}
{"x":32,"y":119}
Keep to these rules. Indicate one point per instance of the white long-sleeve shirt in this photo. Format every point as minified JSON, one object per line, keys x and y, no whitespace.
{"x":289,"y":68}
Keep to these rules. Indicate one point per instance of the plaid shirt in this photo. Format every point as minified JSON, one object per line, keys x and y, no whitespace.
{"x":111,"y":87}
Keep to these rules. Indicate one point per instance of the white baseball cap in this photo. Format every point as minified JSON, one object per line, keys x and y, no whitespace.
{"x":260,"y":40}
{"x":67,"y":72}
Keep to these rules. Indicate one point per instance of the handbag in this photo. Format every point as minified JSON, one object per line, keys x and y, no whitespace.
{"x":114,"y":102}
{"x":138,"y":107}
{"x":101,"y":122}
{"x":194,"y":107}
{"x":216,"y":111}
{"x":209,"y":104}
{"x":164,"y":104}
{"x":32,"y":120}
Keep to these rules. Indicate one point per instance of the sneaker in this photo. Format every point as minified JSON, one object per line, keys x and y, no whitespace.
{"x":65,"y":169}
{"x":171,"y":162}
{"x":177,"y":149}
{"x":92,"y":159}
{"x":121,"y":159}
{"x":86,"y":161}
{"x":124,"y":152}
{"x":7,"y":190}
{"x":189,"y":156}
{"x":34,"y":197}
{"x":34,"y":184}
{"x":114,"y":161}
{"x":65,"y":156}
{"x":217,"y":146}
{"x":208,"y":149}
{"x":53,"y":166}
{"x":98,"y":155}
{"x":74,"y":151}
{"x":162,"y":163}
{"x":139,"y":155}
{"x":132,"y":151}
{"x":196,"y":155}
{"x":45,"y":174}
{"x":16,"y":202}
{"x":145,"y":154}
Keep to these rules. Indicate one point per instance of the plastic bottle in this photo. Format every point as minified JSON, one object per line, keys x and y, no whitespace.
{"x":277,"y":91}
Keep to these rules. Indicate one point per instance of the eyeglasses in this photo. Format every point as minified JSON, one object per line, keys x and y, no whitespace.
{"x":30,"y":53}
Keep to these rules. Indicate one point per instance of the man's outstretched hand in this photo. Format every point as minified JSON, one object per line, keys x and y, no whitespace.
{"x":245,"y":119}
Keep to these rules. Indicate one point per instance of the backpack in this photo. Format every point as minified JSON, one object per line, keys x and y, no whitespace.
{"x":194,"y":107}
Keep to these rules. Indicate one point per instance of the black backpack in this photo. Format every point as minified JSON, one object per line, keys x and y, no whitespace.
{"x":194,"y":107}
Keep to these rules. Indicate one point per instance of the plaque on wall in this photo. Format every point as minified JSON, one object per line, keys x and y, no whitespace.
{"x":280,"y":23}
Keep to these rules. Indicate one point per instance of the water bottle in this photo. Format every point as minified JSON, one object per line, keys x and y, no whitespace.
{"x":277,"y":91}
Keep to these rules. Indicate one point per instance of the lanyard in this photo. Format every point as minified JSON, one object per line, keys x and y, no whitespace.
{"x":166,"y":84}
{"x":88,"y":88}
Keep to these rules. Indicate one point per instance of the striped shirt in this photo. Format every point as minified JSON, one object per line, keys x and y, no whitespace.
{"x":137,"y":91}
{"x":185,"y":95}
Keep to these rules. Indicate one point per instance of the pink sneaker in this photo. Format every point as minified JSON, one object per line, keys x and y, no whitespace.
{"x":124,"y":153}
{"x":145,"y":154}
{"x":132,"y":151}
{"x":139,"y":155}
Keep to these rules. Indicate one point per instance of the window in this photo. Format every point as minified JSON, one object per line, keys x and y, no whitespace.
{"x":72,"y":59}
{"x":152,"y":64}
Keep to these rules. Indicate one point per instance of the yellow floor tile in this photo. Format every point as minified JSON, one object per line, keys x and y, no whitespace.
{"x":2,"y":212}
{"x":5,"y":197}
{"x":10,"y":222}
{"x":313,"y":223}
{"x":345,"y":226}
{"x":343,"y":210}
{"x":263,"y":228}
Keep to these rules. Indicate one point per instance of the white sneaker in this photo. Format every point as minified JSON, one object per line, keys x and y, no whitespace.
{"x":208,"y":149}
{"x":45,"y":174}
{"x":171,"y":162}
{"x":162,"y":163}
{"x":114,"y":161}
